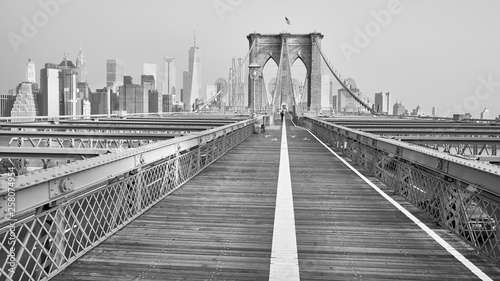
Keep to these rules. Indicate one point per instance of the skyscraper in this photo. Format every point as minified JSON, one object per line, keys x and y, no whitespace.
{"x":81,"y":68}
{"x":382,"y":103}
{"x":150,"y":69}
{"x":193,"y":90}
{"x":49,"y":86}
{"x":30,"y":72}
{"x":399,"y":109}
{"x":186,"y":88}
{"x":133,"y":98}
{"x":6,"y":103}
{"x":114,"y":74}
{"x":168,"y":77}
{"x":435,"y":111}
{"x":485,"y":114}
{"x":69,"y":102}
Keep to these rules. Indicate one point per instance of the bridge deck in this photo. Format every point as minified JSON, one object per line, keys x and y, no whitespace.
{"x":219,"y":226}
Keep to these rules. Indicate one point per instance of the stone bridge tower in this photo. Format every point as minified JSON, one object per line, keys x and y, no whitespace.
{"x":285,"y":49}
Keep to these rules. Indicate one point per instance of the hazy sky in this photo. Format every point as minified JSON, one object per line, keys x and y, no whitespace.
{"x":428,"y":53}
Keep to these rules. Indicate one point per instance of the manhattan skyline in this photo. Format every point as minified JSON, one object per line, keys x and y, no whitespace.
{"x":425,"y":53}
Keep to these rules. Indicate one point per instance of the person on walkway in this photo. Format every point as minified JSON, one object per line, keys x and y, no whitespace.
{"x":282,"y":115}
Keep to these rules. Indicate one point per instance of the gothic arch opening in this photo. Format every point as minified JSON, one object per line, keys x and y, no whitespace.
{"x":269,"y":72}
{"x":299,"y":80}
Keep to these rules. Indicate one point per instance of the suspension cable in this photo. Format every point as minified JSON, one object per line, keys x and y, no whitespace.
{"x":290,"y":72}
{"x":228,"y":82}
{"x":343,"y":83}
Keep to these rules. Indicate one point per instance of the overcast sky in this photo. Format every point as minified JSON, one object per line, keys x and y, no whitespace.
{"x":427,"y":53}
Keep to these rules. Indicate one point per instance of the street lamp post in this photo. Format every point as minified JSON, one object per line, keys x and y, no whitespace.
{"x":254,"y":74}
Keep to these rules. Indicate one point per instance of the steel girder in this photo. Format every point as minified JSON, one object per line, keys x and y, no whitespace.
{"x":108,"y":128}
{"x":50,"y":152}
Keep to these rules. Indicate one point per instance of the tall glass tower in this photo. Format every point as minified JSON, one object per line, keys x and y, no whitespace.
{"x":30,"y":72}
{"x":114,"y":74}
{"x":192,"y":93}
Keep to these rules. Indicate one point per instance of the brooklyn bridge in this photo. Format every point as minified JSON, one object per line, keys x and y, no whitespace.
{"x":247,"y":195}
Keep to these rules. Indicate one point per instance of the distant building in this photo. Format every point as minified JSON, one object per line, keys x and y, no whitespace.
{"x":210,"y":91}
{"x":154,"y":98}
{"x":399,"y":109}
{"x":382,"y":103}
{"x":485,"y":114}
{"x":347,"y":104}
{"x":68,"y":101}
{"x":81,"y":68}
{"x":168,"y":83}
{"x":334,"y":103}
{"x":114,"y":74}
{"x":133,"y":98}
{"x":435,"y":112}
{"x":154,"y":102}
{"x":6,"y":103}
{"x":460,"y":117}
{"x":192,"y":82}
{"x":150,"y":69}
{"x":24,"y":106}
{"x":148,"y":81}
{"x":167,"y":103}
{"x":186,"y":88}
{"x":417,"y":111}
{"x":103,"y":101}
{"x":50,"y":90}
{"x":223,"y":98}
{"x":30,"y":72}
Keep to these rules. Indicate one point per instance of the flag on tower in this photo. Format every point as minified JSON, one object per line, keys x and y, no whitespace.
{"x":287,"y":21}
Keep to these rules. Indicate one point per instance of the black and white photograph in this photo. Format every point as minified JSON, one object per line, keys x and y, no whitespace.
{"x":249,"y":140}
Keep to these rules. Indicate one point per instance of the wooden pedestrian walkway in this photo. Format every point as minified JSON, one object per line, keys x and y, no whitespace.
{"x":219,"y":225}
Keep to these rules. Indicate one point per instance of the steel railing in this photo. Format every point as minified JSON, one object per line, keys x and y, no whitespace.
{"x":461,"y":195}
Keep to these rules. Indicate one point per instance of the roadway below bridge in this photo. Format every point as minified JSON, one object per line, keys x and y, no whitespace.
{"x":220,"y":225}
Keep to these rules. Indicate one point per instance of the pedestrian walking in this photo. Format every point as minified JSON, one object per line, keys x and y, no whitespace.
{"x":282,"y":115}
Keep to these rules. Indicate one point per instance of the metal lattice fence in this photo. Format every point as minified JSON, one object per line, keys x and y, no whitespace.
{"x":60,"y":232}
{"x":461,"y":206}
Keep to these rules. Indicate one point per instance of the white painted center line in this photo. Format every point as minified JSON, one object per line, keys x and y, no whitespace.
{"x":284,"y":258}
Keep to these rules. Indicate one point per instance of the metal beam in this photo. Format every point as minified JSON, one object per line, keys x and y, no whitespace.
{"x":98,"y":126}
{"x":444,"y":132}
{"x":431,"y":140}
{"x":147,"y":122}
{"x":49,"y":152}
{"x":88,"y":135}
